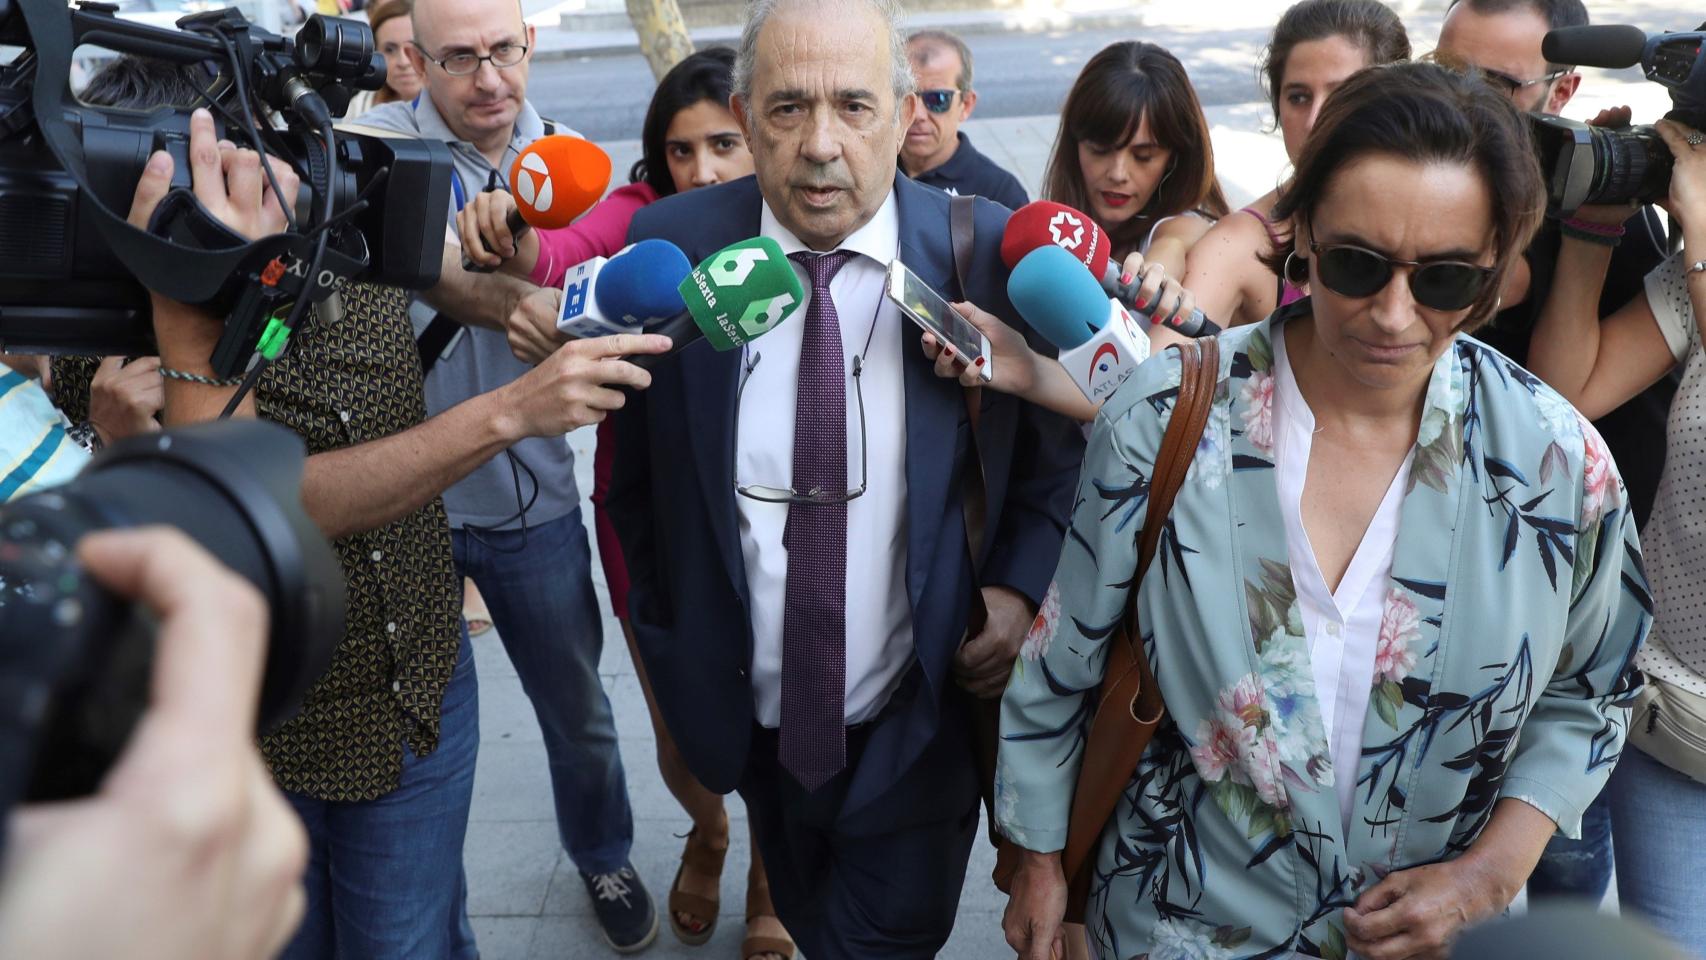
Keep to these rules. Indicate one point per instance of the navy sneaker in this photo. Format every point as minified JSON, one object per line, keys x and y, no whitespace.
{"x":624,"y":907}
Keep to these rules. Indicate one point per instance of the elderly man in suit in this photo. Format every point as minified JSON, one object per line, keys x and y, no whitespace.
{"x":813,"y":653}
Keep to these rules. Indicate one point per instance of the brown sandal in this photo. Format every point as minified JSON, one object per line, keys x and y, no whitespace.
{"x":707,"y":861}
{"x":758,"y":905}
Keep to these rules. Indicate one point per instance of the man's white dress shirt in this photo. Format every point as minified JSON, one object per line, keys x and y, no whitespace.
{"x":879,"y":613}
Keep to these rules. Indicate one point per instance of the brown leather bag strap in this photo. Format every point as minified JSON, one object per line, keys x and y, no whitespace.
{"x":1131,"y":704}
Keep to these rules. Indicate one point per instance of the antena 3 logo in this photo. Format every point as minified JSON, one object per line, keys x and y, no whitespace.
{"x":533,"y":183}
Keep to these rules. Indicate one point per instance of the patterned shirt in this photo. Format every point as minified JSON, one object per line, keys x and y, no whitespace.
{"x":35,"y":451}
{"x":350,"y":379}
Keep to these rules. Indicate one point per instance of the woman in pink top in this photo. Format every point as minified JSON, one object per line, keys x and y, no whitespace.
{"x":690,"y":140}
{"x":1316,"y":47}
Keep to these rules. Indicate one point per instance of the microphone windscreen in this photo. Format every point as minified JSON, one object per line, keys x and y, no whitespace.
{"x":742,"y":292}
{"x":1055,"y":295}
{"x":641,"y":282}
{"x":1609,"y":46}
{"x":1043,"y":223}
{"x":558,"y":178}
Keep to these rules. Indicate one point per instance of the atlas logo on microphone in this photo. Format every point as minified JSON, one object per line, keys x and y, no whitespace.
{"x":1107,"y":357}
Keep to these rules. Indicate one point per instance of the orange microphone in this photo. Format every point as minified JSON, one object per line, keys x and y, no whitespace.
{"x":554,"y":180}
{"x":558,"y":178}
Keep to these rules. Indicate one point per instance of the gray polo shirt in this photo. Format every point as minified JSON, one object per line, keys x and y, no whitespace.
{"x":480,"y":360}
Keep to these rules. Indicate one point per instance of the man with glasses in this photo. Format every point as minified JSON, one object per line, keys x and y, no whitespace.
{"x":794,"y":518}
{"x":516,"y":524}
{"x":935,"y":151}
{"x":1502,"y":38}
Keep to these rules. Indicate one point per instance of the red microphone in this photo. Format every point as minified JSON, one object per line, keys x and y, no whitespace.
{"x":1045,"y":223}
{"x":554,"y":180}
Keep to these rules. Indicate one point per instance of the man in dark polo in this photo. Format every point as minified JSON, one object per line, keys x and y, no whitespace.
{"x":935,"y":151}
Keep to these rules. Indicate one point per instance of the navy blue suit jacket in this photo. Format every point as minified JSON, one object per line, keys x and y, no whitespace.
{"x":672,"y":499}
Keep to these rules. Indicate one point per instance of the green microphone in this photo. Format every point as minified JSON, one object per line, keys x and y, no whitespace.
{"x":736,"y":295}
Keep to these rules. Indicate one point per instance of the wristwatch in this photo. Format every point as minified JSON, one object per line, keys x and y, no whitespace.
{"x":85,"y":436}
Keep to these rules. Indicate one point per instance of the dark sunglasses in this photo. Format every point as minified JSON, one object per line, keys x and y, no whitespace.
{"x":938,"y":101}
{"x":1356,"y":272}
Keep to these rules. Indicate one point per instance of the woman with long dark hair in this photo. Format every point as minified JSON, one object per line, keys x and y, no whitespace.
{"x":689,"y":140}
{"x":1134,"y":153}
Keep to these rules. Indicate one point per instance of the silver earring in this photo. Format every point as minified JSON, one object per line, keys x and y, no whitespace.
{"x":1292,"y":263}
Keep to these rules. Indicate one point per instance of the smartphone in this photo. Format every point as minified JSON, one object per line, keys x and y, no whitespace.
{"x":932,"y":313}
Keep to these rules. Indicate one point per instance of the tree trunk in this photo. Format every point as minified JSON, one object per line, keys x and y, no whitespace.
{"x":662,"y":32}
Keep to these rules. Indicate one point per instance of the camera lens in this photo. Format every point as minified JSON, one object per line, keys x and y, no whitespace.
{"x":337,"y":48}
{"x":82,"y":657}
{"x":1632,"y":165}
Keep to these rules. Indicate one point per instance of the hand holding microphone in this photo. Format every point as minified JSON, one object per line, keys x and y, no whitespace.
{"x":554,"y":180}
{"x":495,"y":236}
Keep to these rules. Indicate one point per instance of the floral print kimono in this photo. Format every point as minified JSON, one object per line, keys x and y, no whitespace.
{"x":1503,"y":668}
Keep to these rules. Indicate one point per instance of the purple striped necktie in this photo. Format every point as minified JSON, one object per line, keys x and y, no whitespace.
{"x":814,"y":620}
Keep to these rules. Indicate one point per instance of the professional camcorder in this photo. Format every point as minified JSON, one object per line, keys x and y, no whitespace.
{"x":76,"y":661}
{"x":74,"y":274}
{"x":1595,"y":165}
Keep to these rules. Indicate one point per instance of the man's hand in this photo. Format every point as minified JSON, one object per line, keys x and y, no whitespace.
{"x":483,"y":225}
{"x":1036,"y":908}
{"x":188,"y":850}
{"x":125,"y":398}
{"x":532,"y":325}
{"x":1417,"y":914}
{"x":984,"y":662}
{"x":226,"y":179}
{"x":229,"y":183}
{"x":576,"y":385}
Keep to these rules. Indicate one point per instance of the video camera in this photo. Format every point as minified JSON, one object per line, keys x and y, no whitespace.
{"x":75,"y":275}
{"x":76,"y":661}
{"x":1584,"y":164}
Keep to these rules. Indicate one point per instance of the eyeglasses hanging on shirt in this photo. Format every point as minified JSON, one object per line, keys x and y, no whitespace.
{"x":815,"y":497}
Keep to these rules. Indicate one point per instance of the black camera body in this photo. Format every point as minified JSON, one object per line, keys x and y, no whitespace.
{"x":74,"y":274}
{"x":1584,"y":164}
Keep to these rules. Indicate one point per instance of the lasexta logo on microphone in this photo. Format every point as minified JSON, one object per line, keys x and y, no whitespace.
{"x":742,"y":292}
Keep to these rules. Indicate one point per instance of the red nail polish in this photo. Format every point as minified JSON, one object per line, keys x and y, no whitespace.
{"x":1141,"y":303}
{"x":979,"y":362}
{"x":1126,"y":279}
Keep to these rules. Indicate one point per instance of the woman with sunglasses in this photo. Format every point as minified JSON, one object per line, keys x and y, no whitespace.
{"x":1657,"y":793}
{"x":689,"y":140}
{"x":1395,"y":601}
{"x":1316,"y":46}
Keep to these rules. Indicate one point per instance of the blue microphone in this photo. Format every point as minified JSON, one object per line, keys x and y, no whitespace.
{"x":1100,"y":344}
{"x":625,"y":293}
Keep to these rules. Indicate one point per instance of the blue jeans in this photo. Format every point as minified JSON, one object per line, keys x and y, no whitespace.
{"x":1577,"y":869}
{"x":538,"y":587}
{"x":1659,"y":819}
{"x":385,"y":876}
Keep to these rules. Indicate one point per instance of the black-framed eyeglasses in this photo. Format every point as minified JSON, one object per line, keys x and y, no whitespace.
{"x":467,"y":63}
{"x":816,"y":496}
{"x":938,"y":101}
{"x":1357,"y":272}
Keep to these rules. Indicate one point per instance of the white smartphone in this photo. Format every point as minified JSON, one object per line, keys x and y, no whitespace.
{"x":933,"y":314}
